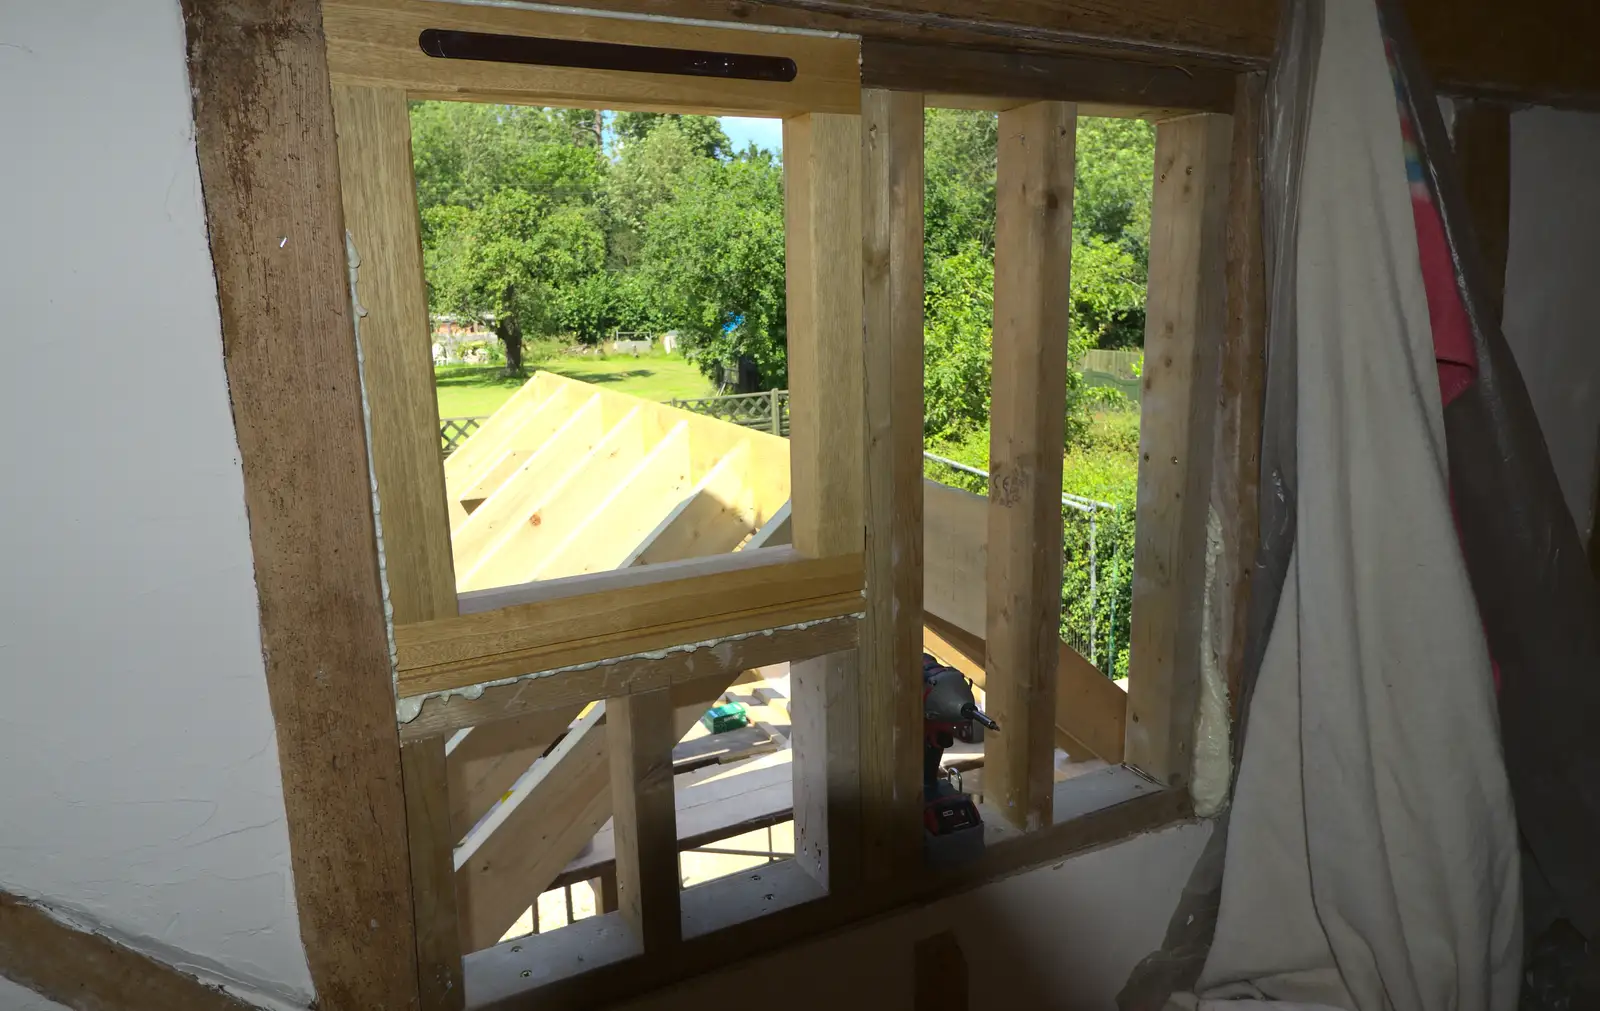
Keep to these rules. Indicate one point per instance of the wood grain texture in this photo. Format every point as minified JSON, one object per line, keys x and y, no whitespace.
{"x":1185,"y":323}
{"x":380,"y":208}
{"x":644,"y":816}
{"x":374,"y":43}
{"x":556,"y":819}
{"x":640,"y":673}
{"x":822,"y":207}
{"x":1144,"y":89}
{"x":1091,"y":711}
{"x":891,"y":635}
{"x":91,"y":972}
{"x":489,"y":760}
{"x":1236,"y":461}
{"x":1033,"y":255}
{"x":1148,"y":29}
{"x":552,"y":635}
{"x":1533,"y":51}
{"x":432,"y":841}
{"x":1482,"y":140}
{"x":380,"y":213}
{"x":264,"y":131}
{"x":1540,"y":50}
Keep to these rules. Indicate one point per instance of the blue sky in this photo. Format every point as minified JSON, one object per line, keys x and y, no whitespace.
{"x":767,"y":133}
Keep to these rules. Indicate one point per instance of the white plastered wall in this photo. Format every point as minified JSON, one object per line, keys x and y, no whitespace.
{"x":1552,"y":315}
{"x":139,"y":782}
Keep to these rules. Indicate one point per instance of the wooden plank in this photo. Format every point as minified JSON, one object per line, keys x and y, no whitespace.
{"x":1540,"y":50}
{"x":956,"y":558}
{"x":83,"y":970}
{"x":488,"y":441}
{"x":706,"y":813}
{"x":380,"y":212}
{"x":1033,"y":255}
{"x":490,"y":759}
{"x":264,"y":133}
{"x":822,"y":208}
{"x":549,"y":635}
{"x":603,"y":540}
{"x":1140,"y":88}
{"x":546,"y":826}
{"x":1534,"y":51}
{"x":1482,"y":140}
{"x":375,"y":42}
{"x":432,"y":841}
{"x":517,"y":556}
{"x":1185,"y":322}
{"x":644,"y":817}
{"x":516,"y":500}
{"x":379,"y":196}
{"x":1147,"y":29}
{"x":548,"y":417}
{"x":715,"y":518}
{"x":1091,"y":711}
{"x":1236,"y":463}
{"x":642,"y":673}
{"x":890,"y":656}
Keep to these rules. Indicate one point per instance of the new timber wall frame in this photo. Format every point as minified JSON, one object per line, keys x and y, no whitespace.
{"x":370,"y":830}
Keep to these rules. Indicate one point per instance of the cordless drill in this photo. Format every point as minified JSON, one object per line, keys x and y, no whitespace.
{"x":953,"y":828}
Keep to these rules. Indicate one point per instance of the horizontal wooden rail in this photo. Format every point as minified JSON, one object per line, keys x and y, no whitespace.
{"x":627,"y":675}
{"x":614,"y":621}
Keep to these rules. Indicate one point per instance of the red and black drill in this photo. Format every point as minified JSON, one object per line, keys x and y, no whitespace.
{"x":949,"y":711}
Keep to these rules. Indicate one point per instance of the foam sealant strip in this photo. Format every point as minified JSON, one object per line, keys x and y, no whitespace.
{"x":409,"y":708}
{"x":1212,"y":766}
{"x":358,"y":313}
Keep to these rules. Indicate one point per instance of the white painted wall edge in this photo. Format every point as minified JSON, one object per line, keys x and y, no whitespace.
{"x":139,"y":778}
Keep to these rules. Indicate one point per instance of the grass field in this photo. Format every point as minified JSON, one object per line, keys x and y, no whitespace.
{"x":469,"y":390}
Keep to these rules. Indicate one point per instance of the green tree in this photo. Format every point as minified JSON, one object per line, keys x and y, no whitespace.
{"x":958,"y":181}
{"x":958,"y":313}
{"x":714,"y":259}
{"x":513,"y":262}
{"x":511,"y":227}
{"x":1113,"y":183}
{"x":705,"y":133}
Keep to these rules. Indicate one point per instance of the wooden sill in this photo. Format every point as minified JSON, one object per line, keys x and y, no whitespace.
{"x":586,"y":964}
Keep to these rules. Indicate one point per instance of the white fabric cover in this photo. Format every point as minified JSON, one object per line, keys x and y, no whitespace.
{"x":1372,"y":858}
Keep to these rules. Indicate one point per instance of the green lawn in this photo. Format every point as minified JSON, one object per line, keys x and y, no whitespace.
{"x":468,"y":390}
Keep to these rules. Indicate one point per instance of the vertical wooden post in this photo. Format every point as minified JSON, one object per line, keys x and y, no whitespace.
{"x":891,"y":635}
{"x":264,"y":134}
{"x":1185,"y":319}
{"x":822,"y":209}
{"x":644,"y":818}
{"x":1033,"y":256}
{"x":1236,"y":460}
{"x":380,"y":213}
{"x":433,"y":875}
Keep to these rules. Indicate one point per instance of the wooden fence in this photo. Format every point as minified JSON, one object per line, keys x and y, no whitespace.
{"x":1118,"y":370}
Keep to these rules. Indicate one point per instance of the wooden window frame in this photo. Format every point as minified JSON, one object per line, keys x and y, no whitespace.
{"x":265,"y":129}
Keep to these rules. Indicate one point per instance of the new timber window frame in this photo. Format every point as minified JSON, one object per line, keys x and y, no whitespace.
{"x":370,"y":810}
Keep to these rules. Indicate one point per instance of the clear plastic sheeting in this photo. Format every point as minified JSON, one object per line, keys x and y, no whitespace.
{"x":1370,"y":857}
